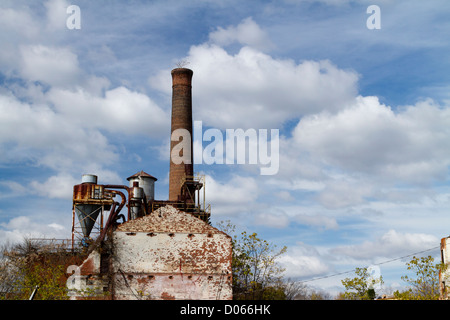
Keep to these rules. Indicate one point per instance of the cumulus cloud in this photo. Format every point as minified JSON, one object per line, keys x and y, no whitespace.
{"x":284,"y":195}
{"x":391,"y":244}
{"x":345,"y":151}
{"x":361,"y":153}
{"x":52,"y":65}
{"x":232,"y":197}
{"x":10,"y":189}
{"x":341,"y":139}
{"x":340,"y":193}
{"x":11,"y":18}
{"x":318,"y":221}
{"x":59,"y":186}
{"x":119,"y":110}
{"x":19,"y":227}
{"x":37,"y":133}
{"x":272,"y":218}
{"x":56,"y":14}
{"x":248,"y":32}
{"x":61,"y":118}
{"x":303,"y":261}
{"x":11,"y":36}
{"x":368,"y":137}
{"x":251,"y":89}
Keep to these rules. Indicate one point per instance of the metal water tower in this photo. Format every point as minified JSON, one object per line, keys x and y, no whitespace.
{"x":142,"y":191}
{"x":146,"y":182}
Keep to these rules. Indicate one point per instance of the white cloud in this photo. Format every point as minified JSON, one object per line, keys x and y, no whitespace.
{"x":368,"y":137}
{"x":233,"y":197}
{"x":389,"y":245}
{"x":36,"y":132}
{"x":284,"y":195}
{"x":9,"y":189}
{"x":337,"y":2}
{"x":119,"y":110}
{"x":52,"y":65}
{"x":298,"y":170}
{"x":319,"y":221}
{"x":60,"y":128}
{"x":303,"y":261}
{"x":56,"y":14}
{"x":253,"y":90}
{"x":12,"y":35}
{"x":11,"y":18}
{"x":341,"y":193}
{"x":19,"y":227}
{"x":60,"y":186}
{"x":356,"y":137}
{"x":56,"y":226}
{"x":360,"y":154}
{"x":272,"y":218}
{"x":248,"y":32}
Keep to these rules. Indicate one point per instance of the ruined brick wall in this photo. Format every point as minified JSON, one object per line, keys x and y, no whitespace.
{"x":168,"y":254}
{"x":172,"y":255}
{"x":161,"y":265}
{"x":444,"y":275}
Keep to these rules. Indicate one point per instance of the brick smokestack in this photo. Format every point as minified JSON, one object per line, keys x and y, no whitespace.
{"x":181,"y":119}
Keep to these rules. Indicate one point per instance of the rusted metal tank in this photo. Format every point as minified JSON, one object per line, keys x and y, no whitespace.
{"x":89,"y":178}
{"x":89,"y":201}
{"x":146,"y":182}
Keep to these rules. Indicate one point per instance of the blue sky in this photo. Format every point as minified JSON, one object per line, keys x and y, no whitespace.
{"x":363,"y":118}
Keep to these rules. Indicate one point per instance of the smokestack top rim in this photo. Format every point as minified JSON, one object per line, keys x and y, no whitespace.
{"x":182,"y":77}
{"x":182,"y":70}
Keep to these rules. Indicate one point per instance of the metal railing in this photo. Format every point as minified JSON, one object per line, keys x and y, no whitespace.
{"x":54,"y":245}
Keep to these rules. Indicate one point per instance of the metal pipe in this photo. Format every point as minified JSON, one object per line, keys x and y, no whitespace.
{"x":34,"y":293}
{"x":145,"y":205}
{"x":113,"y":213}
{"x":116,"y":186}
{"x":122,"y":203}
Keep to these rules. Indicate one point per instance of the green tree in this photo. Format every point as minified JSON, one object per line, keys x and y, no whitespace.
{"x":27,"y":265}
{"x":425,"y":284}
{"x":361,"y":286}
{"x":297,"y":290}
{"x":256,"y":273}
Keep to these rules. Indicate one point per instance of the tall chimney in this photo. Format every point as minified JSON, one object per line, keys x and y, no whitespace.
{"x":181,"y":119}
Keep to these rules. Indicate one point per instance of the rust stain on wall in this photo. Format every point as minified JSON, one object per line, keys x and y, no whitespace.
{"x":166,"y":296}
